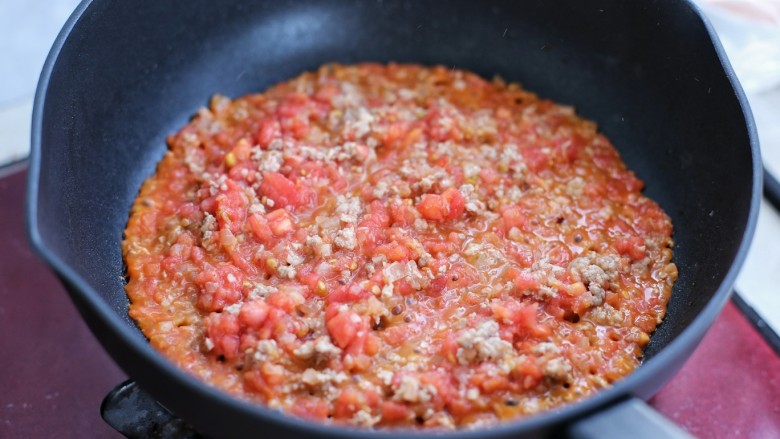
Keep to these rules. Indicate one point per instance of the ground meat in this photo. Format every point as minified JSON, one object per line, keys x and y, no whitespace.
{"x":596,"y":272}
{"x":319,"y":349}
{"x":482,"y":344}
{"x":345,"y":238}
{"x":558,"y":369}
{"x":397,"y":246}
{"x":410,"y":389}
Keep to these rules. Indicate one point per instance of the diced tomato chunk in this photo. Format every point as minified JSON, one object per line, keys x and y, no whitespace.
{"x":253,"y":313}
{"x":401,"y":214}
{"x":222,"y":330}
{"x":231,"y":207}
{"x":521,"y":317}
{"x":449,"y":205}
{"x":514,"y":217}
{"x":394,"y":132}
{"x":285,"y":300}
{"x":280,"y":222}
{"x":523,"y":280}
{"x":394,"y":251}
{"x":395,"y":335}
{"x":449,"y":348}
{"x":455,"y":202}
{"x":347,"y":403}
{"x":348,"y":294}
{"x":536,"y":159}
{"x":432,"y":207}
{"x":285,"y":192}
{"x":311,"y":408}
{"x":489,"y":176}
{"x":220,"y":287}
{"x":494,"y":383}
{"x":528,"y":373}
{"x":269,"y":130}
{"x":343,"y":327}
{"x":395,"y":411}
{"x":241,"y":151}
{"x":633,"y":247}
{"x":258,"y":224}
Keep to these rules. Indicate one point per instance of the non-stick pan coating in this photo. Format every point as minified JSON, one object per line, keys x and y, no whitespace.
{"x":124,"y":75}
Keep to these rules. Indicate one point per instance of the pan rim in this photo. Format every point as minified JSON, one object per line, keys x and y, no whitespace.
{"x":648,"y":372}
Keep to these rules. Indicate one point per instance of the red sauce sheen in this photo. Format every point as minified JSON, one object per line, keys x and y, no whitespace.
{"x":398,"y":246}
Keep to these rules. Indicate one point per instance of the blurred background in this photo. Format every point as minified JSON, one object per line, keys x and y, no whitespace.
{"x":27,"y":31}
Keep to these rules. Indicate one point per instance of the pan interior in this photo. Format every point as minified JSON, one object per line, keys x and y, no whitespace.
{"x":131,"y":73}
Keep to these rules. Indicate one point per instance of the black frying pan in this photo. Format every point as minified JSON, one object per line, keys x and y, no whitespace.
{"x":123,"y":75}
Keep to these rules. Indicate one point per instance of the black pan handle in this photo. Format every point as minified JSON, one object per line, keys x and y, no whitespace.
{"x":135,"y":414}
{"x":628,"y":418}
{"x":772,"y":189}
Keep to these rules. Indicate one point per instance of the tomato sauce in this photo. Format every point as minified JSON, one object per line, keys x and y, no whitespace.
{"x":398,"y":246}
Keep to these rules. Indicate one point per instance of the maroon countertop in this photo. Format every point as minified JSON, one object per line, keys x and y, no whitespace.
{"x":54,"y":374}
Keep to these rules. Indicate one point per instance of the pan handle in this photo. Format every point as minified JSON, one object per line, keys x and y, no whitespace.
{"x":135,"y":414}
{"x":628,"y":418}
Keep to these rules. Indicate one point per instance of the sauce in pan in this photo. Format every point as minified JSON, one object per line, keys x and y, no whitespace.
{"x":398,"y":246}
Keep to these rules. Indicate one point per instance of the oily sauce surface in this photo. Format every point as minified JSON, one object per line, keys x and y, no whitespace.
{"x":396,"y":245}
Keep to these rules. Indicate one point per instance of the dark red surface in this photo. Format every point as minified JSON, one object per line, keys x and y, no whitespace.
{"x":54,"y":374}
{"x":730,"y":388}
